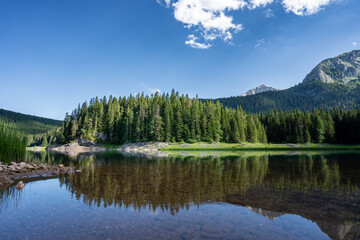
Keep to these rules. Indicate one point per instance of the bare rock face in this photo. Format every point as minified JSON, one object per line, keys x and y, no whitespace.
{"x":259,"y":89}
{"x":342,"y":69}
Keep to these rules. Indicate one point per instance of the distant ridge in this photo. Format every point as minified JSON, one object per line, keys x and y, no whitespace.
{"x":28,"y":124}
{"x":259,"y":89}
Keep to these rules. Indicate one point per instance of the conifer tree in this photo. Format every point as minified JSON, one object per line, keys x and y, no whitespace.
{"x":318,"y":129}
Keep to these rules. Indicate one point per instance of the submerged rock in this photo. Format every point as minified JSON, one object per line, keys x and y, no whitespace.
{"x":20,"y":185}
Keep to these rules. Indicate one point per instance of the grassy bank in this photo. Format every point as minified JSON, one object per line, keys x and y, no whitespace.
{"x":256,"y":147}
{"x":36,"y":149}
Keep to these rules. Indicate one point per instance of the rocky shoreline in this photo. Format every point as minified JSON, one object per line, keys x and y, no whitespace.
{"x":73,"y":149}
{"x":15,"y":171}
{"x":142,"y":147}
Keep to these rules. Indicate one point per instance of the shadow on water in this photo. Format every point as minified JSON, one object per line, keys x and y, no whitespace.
{"x":322,"y":188}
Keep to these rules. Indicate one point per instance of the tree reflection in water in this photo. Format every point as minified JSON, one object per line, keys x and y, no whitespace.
{"x":322,"y":188}
{"x":175,"y":182}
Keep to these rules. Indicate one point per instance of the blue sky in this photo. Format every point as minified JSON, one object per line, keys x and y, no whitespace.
{"x":55,"y":54}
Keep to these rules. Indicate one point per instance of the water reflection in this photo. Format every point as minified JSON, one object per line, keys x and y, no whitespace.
{"x":321,"y":188}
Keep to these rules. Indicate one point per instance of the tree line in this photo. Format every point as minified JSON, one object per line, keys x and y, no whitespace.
{"x":166,"y":117}
{"x":318,"y":126}
{"x":179,"y":118}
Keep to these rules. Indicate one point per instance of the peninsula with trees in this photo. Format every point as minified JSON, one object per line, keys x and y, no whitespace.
{"x":323,"y":109}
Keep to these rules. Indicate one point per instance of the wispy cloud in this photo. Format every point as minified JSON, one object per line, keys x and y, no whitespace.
{"x":192,"y":41}
{"x":209,"y":20}
{"x":164,"y":2}
{"x":354,"y":44}
{"x":269,"y":13}
{"x":259,"y":43}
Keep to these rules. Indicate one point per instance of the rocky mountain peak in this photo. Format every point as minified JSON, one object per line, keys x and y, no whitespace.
{"x":259,"y":89}
{"x":343,"y":69}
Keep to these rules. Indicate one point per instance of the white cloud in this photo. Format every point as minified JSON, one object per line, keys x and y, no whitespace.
{"x":305,"y":7}
{"x":269,"y":13}
{"x":259,"y":3}
{"x":212,"y":19}
{"x":192,"y":41}
{"x":209,"y":17}
{"x":354,"y":44}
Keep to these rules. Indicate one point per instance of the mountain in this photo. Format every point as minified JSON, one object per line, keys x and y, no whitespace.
{"x":340,"y":225}
{"x":333,"y":82}
{"x":259,"y":89}
{"x":28,"y":124}
{"x":342,"y":69}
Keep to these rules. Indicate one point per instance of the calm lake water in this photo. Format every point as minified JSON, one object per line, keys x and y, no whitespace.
{"x":217,"y":196}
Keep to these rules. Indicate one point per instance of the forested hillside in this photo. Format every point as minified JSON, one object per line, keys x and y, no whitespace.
{"x":305,"y":96}
{"x":27,"y":124}
{"x":335,"y":82}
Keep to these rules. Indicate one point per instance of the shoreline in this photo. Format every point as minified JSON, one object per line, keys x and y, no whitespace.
{"x":264,"y":149}
{"x":157,"y":148}
{"x":200,"y":146}
{"x":259,"y":147}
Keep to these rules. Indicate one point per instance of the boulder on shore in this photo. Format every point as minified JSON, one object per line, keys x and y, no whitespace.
{"x":73,"y":149}
{"x":5,"y":180}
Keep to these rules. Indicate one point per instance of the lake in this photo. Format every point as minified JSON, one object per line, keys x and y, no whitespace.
{"x":240,"y":195}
